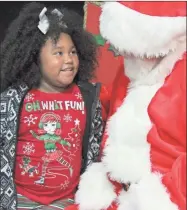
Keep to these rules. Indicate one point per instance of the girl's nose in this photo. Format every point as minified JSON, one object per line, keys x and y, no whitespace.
{"x":67,"y":58}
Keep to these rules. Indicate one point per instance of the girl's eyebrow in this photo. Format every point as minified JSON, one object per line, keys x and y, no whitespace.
{"x":61,"y":47}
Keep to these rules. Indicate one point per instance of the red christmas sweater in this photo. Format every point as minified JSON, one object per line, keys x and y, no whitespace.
{"x":49,"y":149}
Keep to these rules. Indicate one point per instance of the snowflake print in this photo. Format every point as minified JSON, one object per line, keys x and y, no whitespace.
{"x":30,"y":120}
{"x":29,"y":97}
{"x":78,"y":95}
{"x":67,"y":118}
{"x":28,"y":148}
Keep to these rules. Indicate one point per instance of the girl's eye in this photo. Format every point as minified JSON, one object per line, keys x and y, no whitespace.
{"x":45,"y":124}
{"x":73,"y":52}
{"x":58,"y":53}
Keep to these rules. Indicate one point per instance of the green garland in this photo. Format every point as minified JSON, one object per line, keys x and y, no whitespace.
{"x":101,"y":42}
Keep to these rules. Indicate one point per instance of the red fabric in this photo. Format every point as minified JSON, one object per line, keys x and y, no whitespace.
{"x":50,"y":145}
{"x":168,"y":135}
{"x":105,"y":95}
{"x":108,"y":63}
{"x":158,"y":8}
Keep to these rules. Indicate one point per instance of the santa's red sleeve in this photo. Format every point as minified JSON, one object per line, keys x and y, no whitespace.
{"x":105,"y":95}
{"x":168,"y":135}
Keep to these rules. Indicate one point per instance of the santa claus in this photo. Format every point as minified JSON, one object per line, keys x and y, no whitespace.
{"x":143,"y":165}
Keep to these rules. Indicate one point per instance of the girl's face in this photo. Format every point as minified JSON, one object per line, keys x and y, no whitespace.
{"x":59,"y":64}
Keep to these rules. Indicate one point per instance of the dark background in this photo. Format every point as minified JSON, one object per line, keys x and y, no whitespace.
{"x":10,"y":9}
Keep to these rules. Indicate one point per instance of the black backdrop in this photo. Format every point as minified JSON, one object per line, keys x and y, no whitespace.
{"x":9,"y":10}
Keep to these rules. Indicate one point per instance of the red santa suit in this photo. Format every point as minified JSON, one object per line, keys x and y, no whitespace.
{"x":145,"y":138}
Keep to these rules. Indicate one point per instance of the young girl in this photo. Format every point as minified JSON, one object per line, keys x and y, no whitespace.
{"x":51,"y":124}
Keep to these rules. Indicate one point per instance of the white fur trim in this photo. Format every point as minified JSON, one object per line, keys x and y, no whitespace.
{"x":126,"y":155}
{"x":127,"y":163}
{"x":148,"y":194}
{"x":126,"y":200}
{"x":95,"y":192}
{"x":133,"y":32}
{"x":145,"y":72}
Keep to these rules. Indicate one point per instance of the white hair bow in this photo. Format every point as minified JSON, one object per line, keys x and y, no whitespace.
{"x":44,"y":22}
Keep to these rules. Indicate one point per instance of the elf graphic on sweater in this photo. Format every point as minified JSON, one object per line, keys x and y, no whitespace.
{"x":49,"y":123}
{"x":51,"y":129}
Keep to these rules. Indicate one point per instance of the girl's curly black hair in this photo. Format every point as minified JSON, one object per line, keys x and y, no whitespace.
{"x":21,"y":46}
